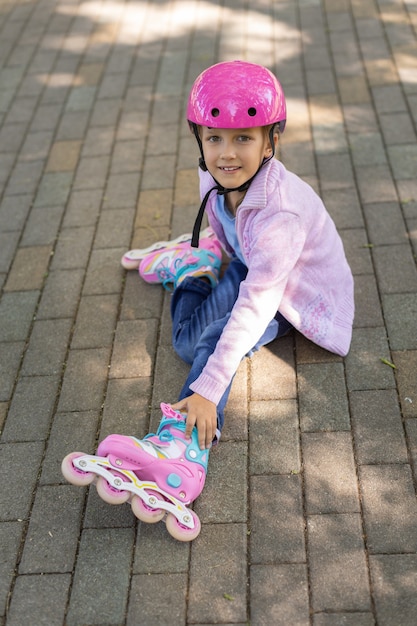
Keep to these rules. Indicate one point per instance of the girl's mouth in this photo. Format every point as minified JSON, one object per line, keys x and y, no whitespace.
{"x":230,"y":169}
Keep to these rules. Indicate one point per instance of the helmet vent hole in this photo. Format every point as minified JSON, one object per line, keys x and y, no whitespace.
{"x":252,"y":111}
{"x":215,"y":112}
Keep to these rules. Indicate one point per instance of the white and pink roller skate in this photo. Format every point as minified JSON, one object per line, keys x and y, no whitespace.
{"x":160,"y":474}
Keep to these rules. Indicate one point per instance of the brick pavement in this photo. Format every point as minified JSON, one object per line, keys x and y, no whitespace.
{"x":309,"y":514}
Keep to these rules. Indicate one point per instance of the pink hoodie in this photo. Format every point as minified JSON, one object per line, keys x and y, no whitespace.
{"x":296,"y":264}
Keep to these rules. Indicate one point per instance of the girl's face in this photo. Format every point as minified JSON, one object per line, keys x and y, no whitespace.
{"x":233,"y":155}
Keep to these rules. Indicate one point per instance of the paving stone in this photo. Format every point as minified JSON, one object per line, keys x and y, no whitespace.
{"x":390,"y":508}
{"x":367,"y":302}
{"x":385,"y":224}
{"x":276,"y":520}
{"x":10,"y":538}
{"x":142,"y":600}
{"x":400,"y":312}
{"x":343,"y":619}
{"x":42,"y":226}
{"x":37,"y":258}
{"x":375,"y":184}
{"x":39,"y":599}
{"x":170,"y":374}
{"x":60,"y":295}
{"x":20,"y":466}
{"x":364,"y":368}
{"x":83,"y":208}
{"x":16,"y":314}
{"x":63,"y":156}
{"x":96,"y":320}
{"x":54,"y":189}
{"x":73,"y":248}
{"x":273,"y":437}
{"x":126,"y":408}
{"x":330,"y":477}
{"x":84,"y":380}
{"x":13,"y":212}
{"x":338,"y":572}
{"x":217,"y":591}
{"x":10,"y":357}
{"x":135,"y":345}
{"x":47,"y":348}
{"x":344,"y":207}
{"x":276,"y":363}
{"x":279,"y":594}
{"x":406,"y":363}
{"x":226,"y":469}
{"x":377,"y":427}
{"x":395,"y":268}
{"x":52,"y":538}
{"x":104,"y":273}
{"x":322,"y":397}
{"x":101,"y":582}
{"x":394,"y":579}
{"x":31,"y":409}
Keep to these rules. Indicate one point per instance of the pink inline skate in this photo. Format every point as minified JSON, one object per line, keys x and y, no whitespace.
{"x":159,"y":474}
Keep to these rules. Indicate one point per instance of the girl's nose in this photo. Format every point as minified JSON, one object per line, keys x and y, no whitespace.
{"x":227,"y":151}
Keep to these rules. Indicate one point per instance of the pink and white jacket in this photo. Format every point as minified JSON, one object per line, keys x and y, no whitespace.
{"x":296,"y":264}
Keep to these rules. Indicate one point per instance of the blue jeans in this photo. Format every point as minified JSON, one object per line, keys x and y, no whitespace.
{"x":199,"y":314}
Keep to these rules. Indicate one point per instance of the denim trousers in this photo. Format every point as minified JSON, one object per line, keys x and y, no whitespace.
{"x":199,"y":314}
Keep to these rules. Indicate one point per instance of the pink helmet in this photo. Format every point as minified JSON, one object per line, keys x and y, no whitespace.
{"x":236,"y":94}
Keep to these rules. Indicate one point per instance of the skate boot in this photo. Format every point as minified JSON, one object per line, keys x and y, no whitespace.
{"x":175,"y":263}
{"x":132,"y":258}
{"x":160,"y":474}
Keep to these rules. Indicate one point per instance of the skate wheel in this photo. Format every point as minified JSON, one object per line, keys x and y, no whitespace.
{"x":110,"y":494}
{"x":180,"y":532}
{"x":143,"y":512}
{"x":74,"y":475}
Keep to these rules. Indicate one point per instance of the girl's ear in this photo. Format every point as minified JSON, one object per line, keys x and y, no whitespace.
{"x":268,"y":149}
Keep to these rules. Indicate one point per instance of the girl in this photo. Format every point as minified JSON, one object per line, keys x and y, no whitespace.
{"x":287,"y":269}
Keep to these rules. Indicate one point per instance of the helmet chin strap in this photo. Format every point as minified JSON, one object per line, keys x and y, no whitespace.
{"x":221,"y":191}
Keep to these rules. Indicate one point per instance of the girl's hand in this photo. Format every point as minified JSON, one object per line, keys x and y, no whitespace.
{"x":201,"y":413}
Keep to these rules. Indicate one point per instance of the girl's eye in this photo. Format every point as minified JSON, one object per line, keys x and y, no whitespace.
{"x":244,"y":138}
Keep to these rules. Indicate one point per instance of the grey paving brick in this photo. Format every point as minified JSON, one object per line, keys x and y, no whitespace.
{"x":156,"y":552}
{"x":364,"y":368}
{"x":31,"y":409}
{"x":73,"y":248}
{"x":104,"y":273}
{"x":394,"y":579}
{"x":24,"y":176}
{"x":375,"y":184}
{"x":60,"y":295}
{"x":19,"y":466}
{"x":390,"y":508}
{"x":279,"y":595}
{"x":114,"y":228}
{"x":10,"y":357}
{"x":395,"y":268}
{"x":385,"y":224}
{"x":218,"y":589}
{"x":100,"y":515}
{"x":96,"y":320}
{"x":322,"y":397}
{"x":83,"y":208}
{"x":377,"y":427}
{"x":126,"y":408}
{"x":52,"y":538}
{"x":42,"y":226}
{"x":367,"y":302}
{"x":406,"y":363}
{"x":338,"y":573}
{"x":101,"y":582}
{"x":142,"y":600}
{"x":276,"y":363}
{"x":335,"y":171}
{"x":276,"y":520}
{"x":134,"y":348}
{"x":35,"y":257}
{"x":344,"y":207}
{"x":169,"y":376}
{"x":91,"y":173}
{"x":330,"y":476}
{"x":400,"y":312}
{"x":343,"y":619}
{"x":16,"y":314}
{"x":273,"y":437}
{"x":84,"y":380}
{"x":39,"y":599}
{"x":10,"y":538}
{"x":226,"y":470}
{"x":47,"y":348}
{"x":403,"y":160}
{"x":54,"y":189}
{"x":13,"y":212}
{"x":121,"y":191}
